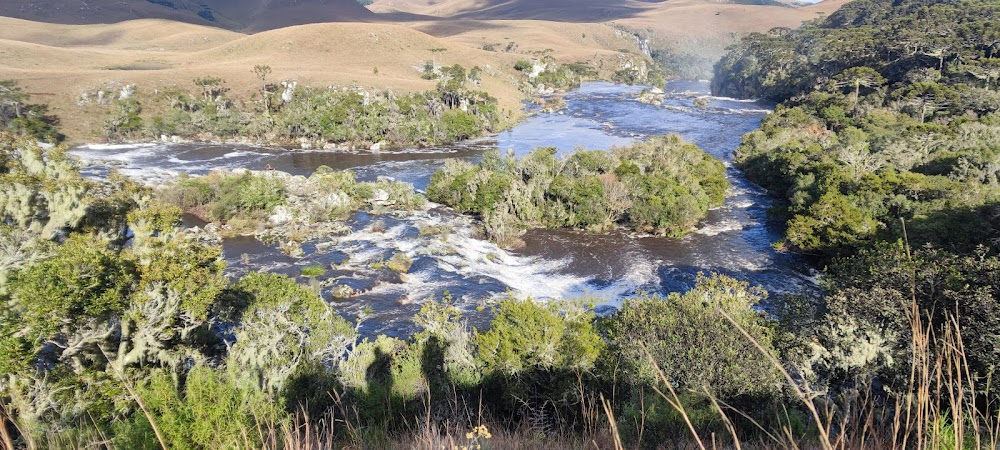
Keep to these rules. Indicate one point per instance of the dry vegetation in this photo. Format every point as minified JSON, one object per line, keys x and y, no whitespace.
{"x":704,"y":27}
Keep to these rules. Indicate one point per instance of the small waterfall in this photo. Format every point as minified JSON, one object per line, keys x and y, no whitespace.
{"x":643,"y":45}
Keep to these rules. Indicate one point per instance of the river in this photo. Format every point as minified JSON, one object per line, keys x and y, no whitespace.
{"x":734,"y":240}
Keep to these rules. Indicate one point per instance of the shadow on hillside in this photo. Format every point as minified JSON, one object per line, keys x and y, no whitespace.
{"x":554,"y":10}
{"x":959,"y":229}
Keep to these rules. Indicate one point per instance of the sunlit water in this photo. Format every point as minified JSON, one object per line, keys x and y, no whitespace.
{"x":734,"y":239}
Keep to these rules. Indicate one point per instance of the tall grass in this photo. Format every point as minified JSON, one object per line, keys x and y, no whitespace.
{"x":943,"y":407}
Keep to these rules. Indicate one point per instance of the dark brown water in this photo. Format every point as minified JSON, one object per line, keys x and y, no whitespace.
{"x":735,"y":239}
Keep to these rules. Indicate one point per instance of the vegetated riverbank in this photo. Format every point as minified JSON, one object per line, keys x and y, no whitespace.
{"x":286,"y":114}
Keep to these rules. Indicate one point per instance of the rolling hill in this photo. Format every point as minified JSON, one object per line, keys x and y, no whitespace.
{"x":248,"y":15}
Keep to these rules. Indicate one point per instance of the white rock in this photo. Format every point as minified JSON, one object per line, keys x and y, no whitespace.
{"x":289,"y":94}
{"x":380,"y":197}
{"x":127,"y":91}
{"x":376,"y":147}
{"x":335,"y":201}
{"x":281,"y":215}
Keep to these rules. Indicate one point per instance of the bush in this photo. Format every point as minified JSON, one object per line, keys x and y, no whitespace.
{"x":284,"y":328}
{"x":23,"y":118}
{"x":215,"y":409}
{"x":459,"y":125}
{"x":692,"y":341}
{"x":223,"y":196}
{"x":526,"y":335}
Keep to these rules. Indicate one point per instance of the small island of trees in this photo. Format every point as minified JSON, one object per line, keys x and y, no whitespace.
{"x":664,"y":186}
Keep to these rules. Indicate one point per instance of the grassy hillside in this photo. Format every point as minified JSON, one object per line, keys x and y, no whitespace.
{"x":232,"y":14}
{"x":701,"y":28}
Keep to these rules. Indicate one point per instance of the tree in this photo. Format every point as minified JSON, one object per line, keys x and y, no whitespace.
{"x":262,"y":71}
{"x":434,"y":52}
{"x":25,"y":119}
{"x":43,"y":189}
{"x":12,"y":97}
{"x":856,"y":78}
{"x":123,"y":119}
{"x":284,"y":327}
{"x":210,"y":87}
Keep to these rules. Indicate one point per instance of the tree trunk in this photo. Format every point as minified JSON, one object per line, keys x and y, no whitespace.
{"x":857,"y":94}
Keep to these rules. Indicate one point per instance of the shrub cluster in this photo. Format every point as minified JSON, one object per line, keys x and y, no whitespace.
{"x":221,"y":196}
{"x":663,"y":186}
{"x":292,"y":114}
{"x":246,"y":200}
{"x":25,"y":119}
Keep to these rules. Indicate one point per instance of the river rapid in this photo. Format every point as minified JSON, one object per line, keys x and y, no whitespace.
{"x":734,"y":240}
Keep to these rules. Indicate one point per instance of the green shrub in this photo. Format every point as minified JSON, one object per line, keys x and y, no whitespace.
{"x":215,"y":409}
{"x":223,"y":196}
{"x":459,"y":125}
{"x":23,"y":118}
{"x":123,"y":121}
{"x":250,"y":192}
{"x":400,"y":263}
{"x":692,"y":341}
{"x":527,"y":335}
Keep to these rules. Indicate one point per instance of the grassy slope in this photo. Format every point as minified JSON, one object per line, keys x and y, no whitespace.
{"x":703,"y":27}
{"x":252,"y":15}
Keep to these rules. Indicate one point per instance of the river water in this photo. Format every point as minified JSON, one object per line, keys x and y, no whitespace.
{"x":734,"y":239}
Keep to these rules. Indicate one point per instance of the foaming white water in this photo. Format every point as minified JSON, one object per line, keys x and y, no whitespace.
{"x":741,"y":204}
{"x":116,"y":152}
{"x":723,"y":226}
{"x":746,"y":111}
{"x":110,"y":147}
{"x":730,"y":99}
{"x":457,"y":252}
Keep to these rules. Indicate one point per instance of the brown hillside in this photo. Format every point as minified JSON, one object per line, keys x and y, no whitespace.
{"x":687,"y":23}
{"x":253,"y":15}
